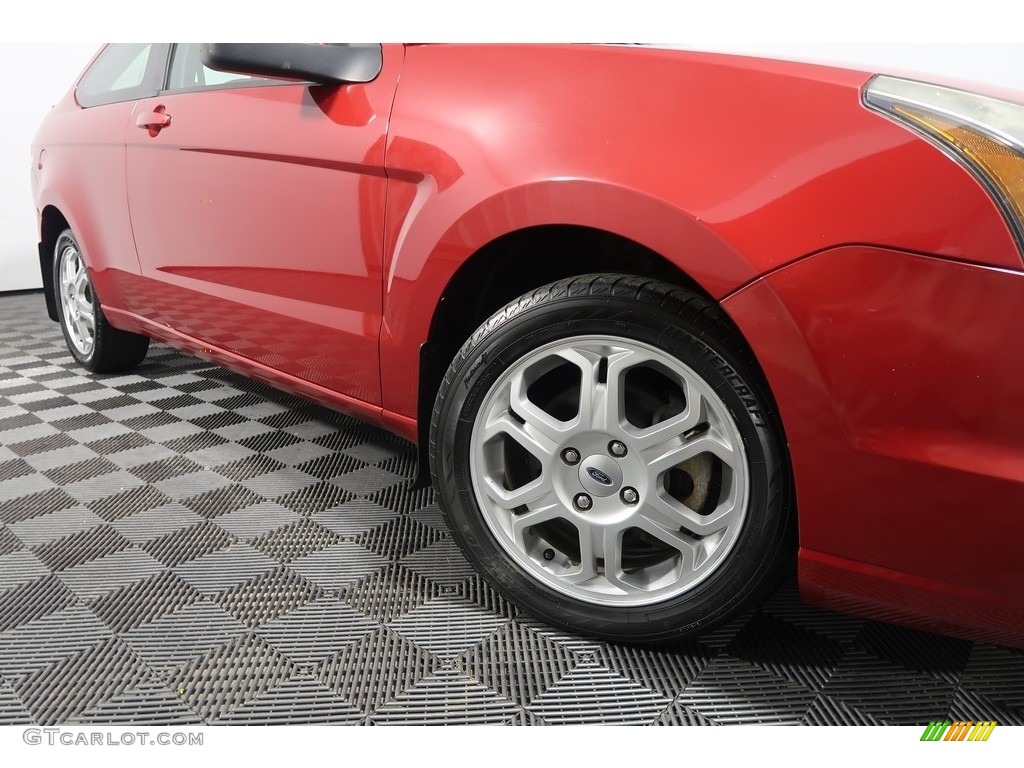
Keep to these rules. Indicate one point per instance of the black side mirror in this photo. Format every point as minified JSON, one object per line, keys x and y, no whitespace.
{"x":327,"y":64}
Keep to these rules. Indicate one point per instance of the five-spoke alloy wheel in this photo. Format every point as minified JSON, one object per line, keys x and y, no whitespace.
{"x":607,"y":454}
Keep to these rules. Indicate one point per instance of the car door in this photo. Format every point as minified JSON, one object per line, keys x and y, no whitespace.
{"x":257,"y":209}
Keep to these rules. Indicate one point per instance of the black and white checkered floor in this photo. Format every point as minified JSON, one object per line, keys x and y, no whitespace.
{"x":183,"y":545}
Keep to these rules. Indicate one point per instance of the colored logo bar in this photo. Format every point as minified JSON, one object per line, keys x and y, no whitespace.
{"x":960,"y":730}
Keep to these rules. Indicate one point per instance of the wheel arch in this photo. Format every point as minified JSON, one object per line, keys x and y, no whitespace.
{"x":602,"y":228}
{"x":52,"y":222}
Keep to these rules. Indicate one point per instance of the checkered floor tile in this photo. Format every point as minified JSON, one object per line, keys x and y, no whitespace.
{"x":180,"y":544}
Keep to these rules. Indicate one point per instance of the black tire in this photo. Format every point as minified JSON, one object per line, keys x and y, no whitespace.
{"x":112,"y":349}
{"x":691,"y":329}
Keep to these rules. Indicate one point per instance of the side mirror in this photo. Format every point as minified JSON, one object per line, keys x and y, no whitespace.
{"x":326,"y":64}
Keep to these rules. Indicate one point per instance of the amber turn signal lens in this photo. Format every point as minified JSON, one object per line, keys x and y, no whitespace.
{"x":1003,"y":166}
{"x":985,"y":134}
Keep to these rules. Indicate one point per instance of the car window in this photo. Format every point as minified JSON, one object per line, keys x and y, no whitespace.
{"x":188,"y":71}
{"x":122,"y":72}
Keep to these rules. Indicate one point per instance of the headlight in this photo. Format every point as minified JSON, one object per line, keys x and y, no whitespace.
{"x":984,"y":134}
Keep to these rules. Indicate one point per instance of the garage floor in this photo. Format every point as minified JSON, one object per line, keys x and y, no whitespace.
{"x":183,"y":545}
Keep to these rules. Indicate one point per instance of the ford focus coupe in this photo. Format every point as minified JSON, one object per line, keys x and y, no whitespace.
{"x":662,"y":324}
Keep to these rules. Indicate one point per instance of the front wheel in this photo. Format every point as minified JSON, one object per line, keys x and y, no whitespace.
{"x":607,"y":455}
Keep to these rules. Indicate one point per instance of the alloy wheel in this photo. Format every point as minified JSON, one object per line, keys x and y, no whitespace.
{"x":76,"y":300}
{"x":609,"y":470}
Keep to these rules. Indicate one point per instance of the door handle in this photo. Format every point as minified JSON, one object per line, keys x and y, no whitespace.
{"x":153,"y":121}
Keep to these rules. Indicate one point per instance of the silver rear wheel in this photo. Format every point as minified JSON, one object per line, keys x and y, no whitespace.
{"x":91,"y":339}
{"x":76,"y":300}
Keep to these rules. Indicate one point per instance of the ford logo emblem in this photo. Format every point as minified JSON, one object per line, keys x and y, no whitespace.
{"x":598,"y":475}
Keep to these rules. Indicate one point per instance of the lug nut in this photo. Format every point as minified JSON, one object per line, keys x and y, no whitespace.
{"x":630,"y":496}
{"x":571,"y":456}
{"x":616,"y":448}
{"x":582,"y":502}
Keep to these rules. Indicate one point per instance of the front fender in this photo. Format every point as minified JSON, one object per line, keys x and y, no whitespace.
{"x":729,"y":168}
{"x":429,"y":239}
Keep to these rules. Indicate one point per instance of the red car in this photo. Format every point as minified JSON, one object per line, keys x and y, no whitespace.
{"x":661,"y":323}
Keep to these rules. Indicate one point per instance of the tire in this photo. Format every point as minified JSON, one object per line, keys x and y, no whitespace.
{"x":666,"y":460}
{"x":94,"y":343}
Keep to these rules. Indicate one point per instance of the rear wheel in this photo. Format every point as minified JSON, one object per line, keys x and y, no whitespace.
{"x":607,"y":455}
{"x":95,"y":344}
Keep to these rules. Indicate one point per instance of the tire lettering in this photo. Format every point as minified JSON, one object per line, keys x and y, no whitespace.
{"x":743,"y":392}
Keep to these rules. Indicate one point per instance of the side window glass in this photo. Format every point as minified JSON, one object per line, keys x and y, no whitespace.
{"x":188,"y":72}
{"x":122,"y":72}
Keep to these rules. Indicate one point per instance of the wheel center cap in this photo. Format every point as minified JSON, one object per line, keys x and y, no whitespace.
{"x":600,"y":475}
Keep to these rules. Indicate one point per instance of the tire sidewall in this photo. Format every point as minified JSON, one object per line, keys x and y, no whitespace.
{"x":501,"y":345}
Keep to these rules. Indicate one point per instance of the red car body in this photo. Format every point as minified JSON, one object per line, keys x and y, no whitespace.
{"x":317,"y":238}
